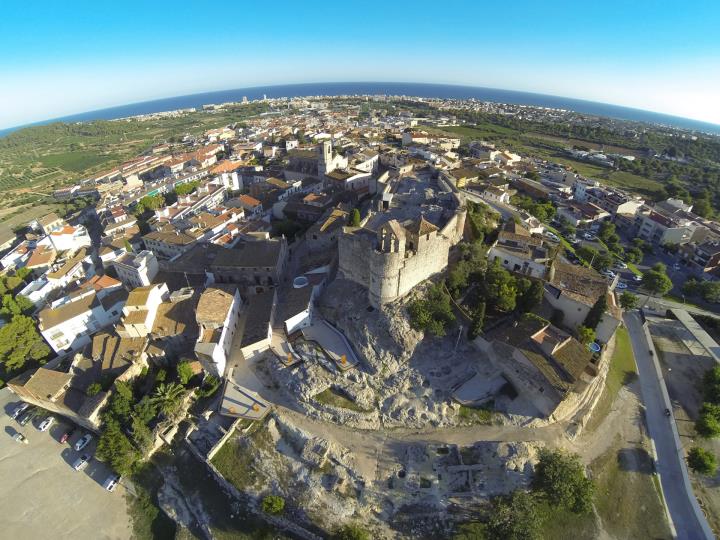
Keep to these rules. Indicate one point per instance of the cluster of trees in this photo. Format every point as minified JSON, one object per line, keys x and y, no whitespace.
{"x":708,"y":422}
{"x":127,"y":433}
{"x":543,"y":210}
{"x":20,"y":341}
{"x":708,"y":290}
{"x":598,"y":260}
{"x":273,"y":504}
{"x":149,"y":203}
{"x":433,"y":313}
{"x":559,"y":484}
{"x":186,"y":188}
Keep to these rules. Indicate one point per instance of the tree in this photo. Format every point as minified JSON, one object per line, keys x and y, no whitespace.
{"x":629,"y":301}
{"x":708,"y":422}
{"x":94,"y":389}
{"x":656,"y":281}
{"x":710,"y":291}
{"x":478,"y":321}
{"x":121,"y":403}
{"x":273,"y":504}
{"x":702,"y":461}
{"x":20,"y":342}
{"x":691,"y":287}
{"x":457,"y":279}
{"x":592,"y":319}
{"x":530,"y":297}
{"x":585,"y":335}
{"x":514,"y":517}
{"x":472,"y":530}
{"x":185,"y":372}
{"x":13,"y":305}
{"x":116,"y":449}
{"x":433,"y":313}
{"x":634,"y":255}
{"x":355,"y":218}
{"x":160,"y":376}
{"x":142,"y":435}
{"x":560,"y":477}
{"x":351,"y":531}
{"x":499,"y":288}
{"x":167,"y":397}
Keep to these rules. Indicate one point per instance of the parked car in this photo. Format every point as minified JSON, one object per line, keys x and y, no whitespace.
{"x":111,"y":482}
{"x":621,"y":265}
{"x":67,"y":435}
{"x":637,"y":278}
{"x":552,"y":236}
{"x":19,"y":437}
{"x":45,"y":424}
{"x":608,"y":273}
{"x":667,"y":412}
{"x":588,"y":236}
{"x":17,"y":411}
{"x":26,"y":418}
{"x":83,"y":442}
{"x":676,"y":266}
{"x":621,"y":285}
{"x":81,"y":462}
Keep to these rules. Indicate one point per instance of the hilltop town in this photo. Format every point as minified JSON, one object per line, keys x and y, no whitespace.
{"x":368,"y":312}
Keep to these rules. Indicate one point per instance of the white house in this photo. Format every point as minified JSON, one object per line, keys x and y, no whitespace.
{"x":136,"y":269}
{"x":217,"y":315}
{"x":70,"y":238}
{"x":68,"y":323}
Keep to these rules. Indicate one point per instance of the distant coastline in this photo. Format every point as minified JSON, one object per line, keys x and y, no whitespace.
{"x":407,"y":89}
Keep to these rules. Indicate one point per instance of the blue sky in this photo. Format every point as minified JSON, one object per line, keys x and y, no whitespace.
{"x":59,"y":58}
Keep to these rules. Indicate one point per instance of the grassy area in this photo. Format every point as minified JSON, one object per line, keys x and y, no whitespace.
{"x":567,"y":245}
{"x":622,"y":371}
{"x":235,"y":459}
{"x":561,"y":524}
{"x":334,"y":398}
{"x":77,"y":161}
{"x":476,"y":415}
{"x":627,"y":499}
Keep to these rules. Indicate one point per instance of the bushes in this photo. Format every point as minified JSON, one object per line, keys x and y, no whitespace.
{"x":351,"y":531}
{"x":708,"y":423}
{"x":273,"y":504}
{"x":585,"y":335}
{"x":701,"y":461}
{"x":708,"y":290}
{"x":94,"y":389}
{"x":596,"y":312}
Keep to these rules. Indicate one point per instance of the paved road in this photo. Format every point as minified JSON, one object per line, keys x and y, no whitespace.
{"x":505,"y":210}
{"x":671,"y":466}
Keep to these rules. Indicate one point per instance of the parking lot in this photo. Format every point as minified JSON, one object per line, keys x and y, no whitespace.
{"x":42,"y":496}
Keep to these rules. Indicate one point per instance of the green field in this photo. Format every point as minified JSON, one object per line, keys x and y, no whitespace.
{"x":77,"y":161}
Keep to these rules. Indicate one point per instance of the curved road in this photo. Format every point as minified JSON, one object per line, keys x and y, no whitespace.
{"x":686,"y":515}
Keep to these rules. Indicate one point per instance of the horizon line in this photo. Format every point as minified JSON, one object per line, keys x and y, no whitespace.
{"x":4,"y":131}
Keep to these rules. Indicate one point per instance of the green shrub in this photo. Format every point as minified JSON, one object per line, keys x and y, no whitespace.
{"x":273,"y":504}
{"x":702,"y":461}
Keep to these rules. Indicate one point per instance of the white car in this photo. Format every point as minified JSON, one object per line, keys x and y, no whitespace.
{"x":588,"y":236}
{"x":552,"y":236}
{"x":621,"y":285}
{"x":19,"y":410}
{"x":637,"y":278}
{"x":83,"y":442}
{"x":621,"y":265}
{"x":111,"y":482}
{"x":676,"y":266}
{"x":45,"y":424}
{"x":608,"y":273}
{"x":81,"y":462}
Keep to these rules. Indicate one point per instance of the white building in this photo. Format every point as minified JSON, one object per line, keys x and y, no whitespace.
{"x":136,"y":269}
{"x":70,"y":238}
{"x":217,"y":315}
{"x":141,"y":309}
{"x":68,"y":323}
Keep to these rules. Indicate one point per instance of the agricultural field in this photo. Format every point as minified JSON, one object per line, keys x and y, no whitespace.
{"x":40,"y":159}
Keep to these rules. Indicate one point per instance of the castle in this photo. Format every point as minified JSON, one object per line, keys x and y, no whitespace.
{"x":405,"y":241}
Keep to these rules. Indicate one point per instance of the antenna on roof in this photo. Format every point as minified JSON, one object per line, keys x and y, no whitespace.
{"x":187,"y":281}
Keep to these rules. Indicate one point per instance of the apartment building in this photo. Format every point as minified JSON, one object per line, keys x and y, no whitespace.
{"x":217,"y":315}
{"x":136,"y":269}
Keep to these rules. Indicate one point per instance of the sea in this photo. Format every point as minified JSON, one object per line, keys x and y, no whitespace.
{"x":386,"y":88}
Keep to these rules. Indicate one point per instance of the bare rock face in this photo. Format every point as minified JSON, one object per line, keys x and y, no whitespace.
{"x":383,"y":337}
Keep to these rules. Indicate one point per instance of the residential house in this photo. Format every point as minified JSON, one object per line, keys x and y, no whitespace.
{"x":68,"y":323}
{"x":256,"y":324}
{"x":140,"y":310}
{"x":518,"y":251}
{"x":573,"y":290}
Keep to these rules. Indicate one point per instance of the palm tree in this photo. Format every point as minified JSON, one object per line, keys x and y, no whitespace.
{"x":167,"y":397}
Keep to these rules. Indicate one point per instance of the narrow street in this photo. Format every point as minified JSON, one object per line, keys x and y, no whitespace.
{"x":686,"y":515}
